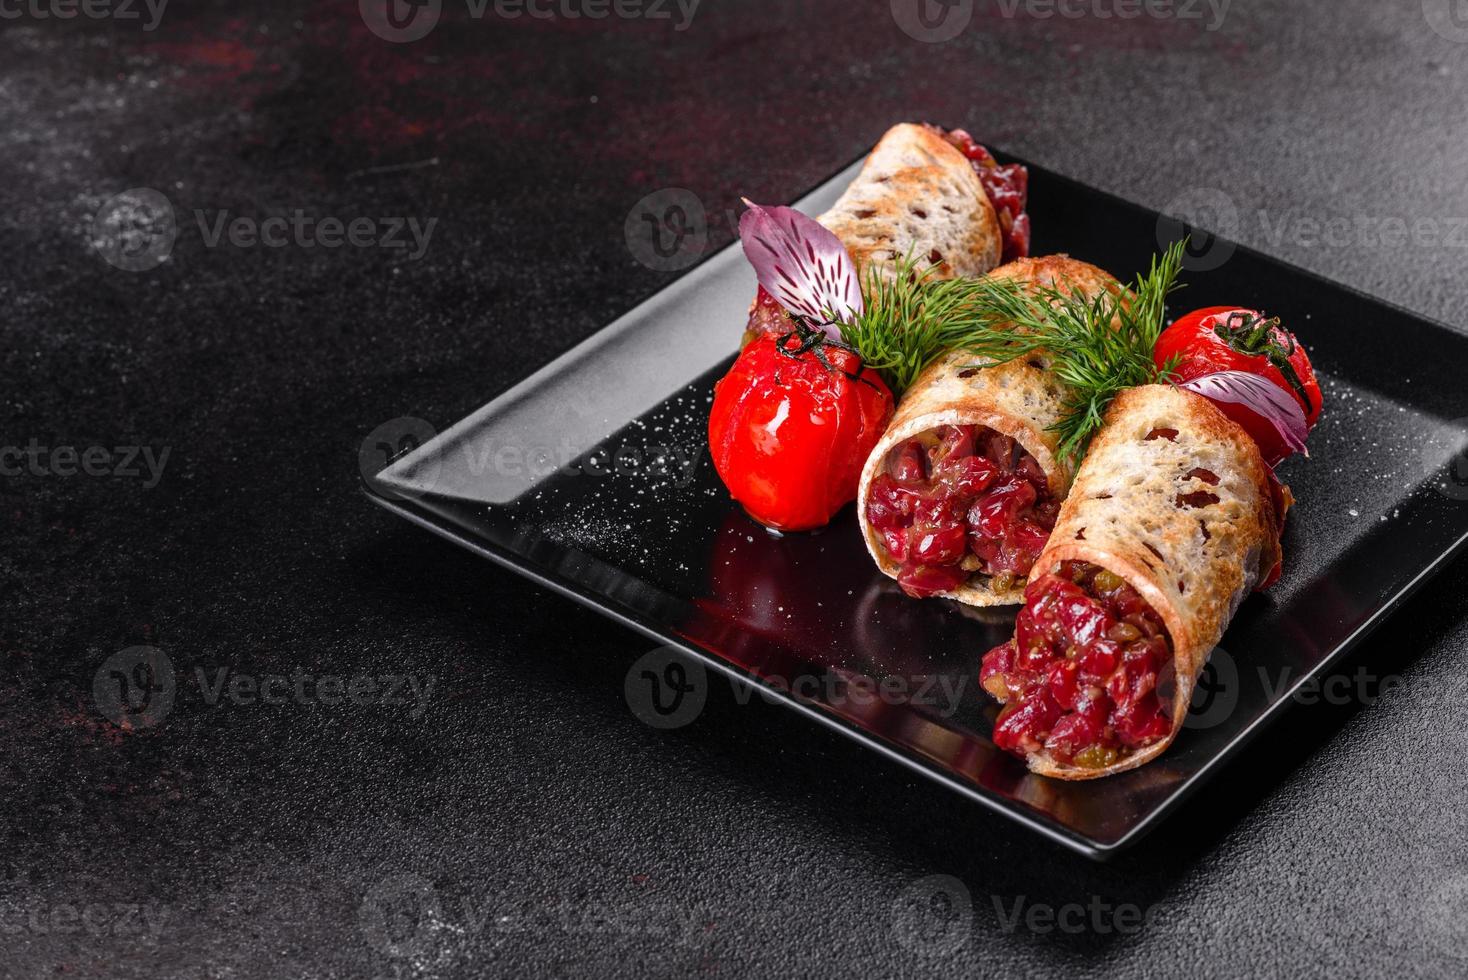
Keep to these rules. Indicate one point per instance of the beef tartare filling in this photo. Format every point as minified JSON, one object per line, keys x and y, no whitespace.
{"x":1007,"y":188}
{"x":1080,"y":679}
{"x":960,"y":501}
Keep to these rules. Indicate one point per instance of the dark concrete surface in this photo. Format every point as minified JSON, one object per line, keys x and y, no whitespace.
{"x":518,"y":820}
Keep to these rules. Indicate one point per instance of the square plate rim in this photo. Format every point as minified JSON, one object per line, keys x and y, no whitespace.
{"x":377,"y":489}
{"x":1054,"y":831}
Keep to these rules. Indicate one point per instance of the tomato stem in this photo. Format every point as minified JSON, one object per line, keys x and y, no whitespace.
{"x":1254,"y":335}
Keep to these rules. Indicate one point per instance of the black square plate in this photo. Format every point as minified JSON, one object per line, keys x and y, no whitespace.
{"x":592,"y":477}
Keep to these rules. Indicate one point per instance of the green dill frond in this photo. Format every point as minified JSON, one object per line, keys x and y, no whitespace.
{"x":1097,"y":346}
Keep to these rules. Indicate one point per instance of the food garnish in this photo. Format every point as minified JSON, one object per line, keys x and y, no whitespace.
{"x":1261,"y":398}
{"x":1097,"y":347}
{"x":1227,"y":342}
{"x":791,"y":425}
{"x":802,"y":265}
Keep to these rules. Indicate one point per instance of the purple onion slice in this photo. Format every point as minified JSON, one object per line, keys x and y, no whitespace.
{"x":1260,"y":396}
{"x":802,"y":264}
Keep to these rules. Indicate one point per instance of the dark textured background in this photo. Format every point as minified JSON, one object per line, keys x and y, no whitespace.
{"x":527,"y":823}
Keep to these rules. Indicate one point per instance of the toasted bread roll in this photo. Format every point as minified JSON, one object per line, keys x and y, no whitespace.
{"x":917,"y":194}
{"x":1175,"y":501}
{"x":1019,"y":399}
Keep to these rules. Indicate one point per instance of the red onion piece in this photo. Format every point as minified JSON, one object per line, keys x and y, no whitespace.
{"x":802,"y":264}
{"x":1260,"y":396}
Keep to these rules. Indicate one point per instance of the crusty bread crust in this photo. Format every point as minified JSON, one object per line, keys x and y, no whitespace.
{"x":917,"y":194}
{"x":1020,"y":399}
{"x":1194,"y":561}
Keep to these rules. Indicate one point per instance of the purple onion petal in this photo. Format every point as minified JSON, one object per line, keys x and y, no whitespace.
{"x":1260,"y":396}
{"x":802,"y":264}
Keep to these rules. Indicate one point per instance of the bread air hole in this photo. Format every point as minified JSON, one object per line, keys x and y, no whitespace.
{"x":919,"y":212}
{"x":968,"y":372}
{"x":1161,"y":433}
{"x":863,"y":215}
{"x":1198,"y":498}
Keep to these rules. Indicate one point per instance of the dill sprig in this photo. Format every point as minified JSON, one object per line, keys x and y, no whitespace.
{"x":1097,"y":346}
{"x":900,"y":332}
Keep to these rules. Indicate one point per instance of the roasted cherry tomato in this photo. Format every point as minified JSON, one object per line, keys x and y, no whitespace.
{"x":766,"y":316}
{"x":792,"y":425}
{"x":1228,"y":338}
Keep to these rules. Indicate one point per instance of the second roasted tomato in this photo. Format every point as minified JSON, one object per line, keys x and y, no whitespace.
{"x":1230,"y":338}
{"x":791,"y":427}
